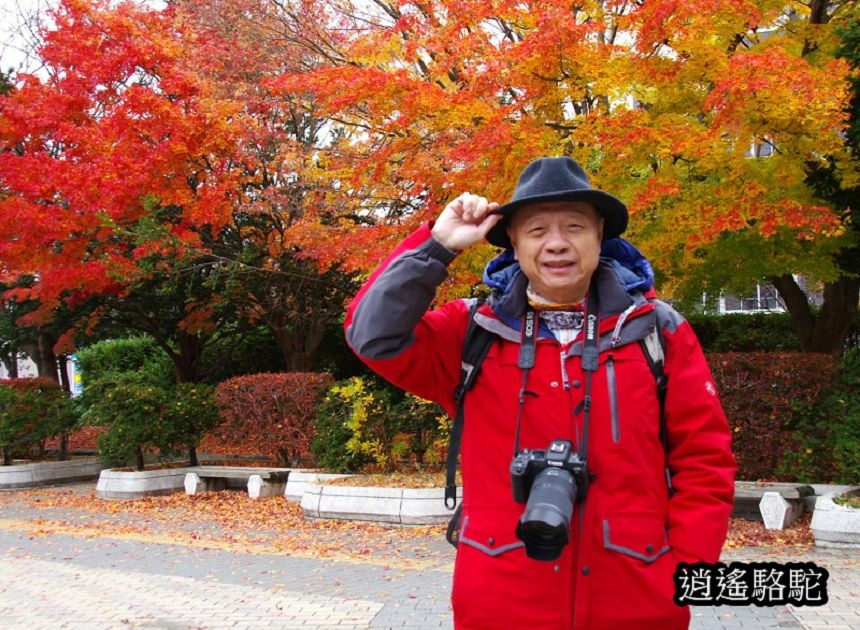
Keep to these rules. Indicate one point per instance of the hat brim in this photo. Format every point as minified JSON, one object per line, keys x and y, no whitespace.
{"x":614,"y":213}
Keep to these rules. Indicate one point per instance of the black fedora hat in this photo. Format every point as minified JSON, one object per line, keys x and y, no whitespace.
{"x":558,"y":179}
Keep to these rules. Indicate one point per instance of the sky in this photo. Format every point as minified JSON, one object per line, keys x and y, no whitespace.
{"x":16,"y":20}
{"x":14,"y":15}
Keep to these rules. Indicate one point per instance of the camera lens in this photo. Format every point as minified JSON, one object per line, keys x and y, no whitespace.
{"x":545,"y":524}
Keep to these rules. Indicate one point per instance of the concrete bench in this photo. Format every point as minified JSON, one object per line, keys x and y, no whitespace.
{"x":260,"y":482}
{"x":777,"y":504}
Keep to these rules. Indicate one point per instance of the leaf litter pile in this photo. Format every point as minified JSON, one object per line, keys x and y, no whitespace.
{"x":231,"y":520}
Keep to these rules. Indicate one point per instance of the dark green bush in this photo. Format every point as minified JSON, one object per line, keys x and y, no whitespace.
{"x":129,"y":388}
{"x":256,"y":353}
{"x":826,"y":434}
{"x":32,"y":410}
{"x":133,"y":408}
{"x":762,"y":394}
{"x":191,"y":412}
{"x":745,"y":332}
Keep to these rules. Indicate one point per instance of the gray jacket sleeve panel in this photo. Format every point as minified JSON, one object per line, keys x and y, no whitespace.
{"x":668,"y":318}
{"x":384,"y":321}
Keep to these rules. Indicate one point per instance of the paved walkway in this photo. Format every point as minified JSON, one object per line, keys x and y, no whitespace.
{"x":52,"y":580}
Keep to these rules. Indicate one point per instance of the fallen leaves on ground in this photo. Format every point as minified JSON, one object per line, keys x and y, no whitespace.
{"x":274,"y":525}
{"x":747,"y":533}
{"x":216,"y":519}
{"x":404,"y":479}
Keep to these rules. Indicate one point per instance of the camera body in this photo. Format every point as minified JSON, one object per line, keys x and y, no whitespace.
{"x":549,"y":482}
{"x":527,"y":465}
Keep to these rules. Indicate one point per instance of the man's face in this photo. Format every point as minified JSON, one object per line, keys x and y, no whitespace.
{"x":557,"y":244}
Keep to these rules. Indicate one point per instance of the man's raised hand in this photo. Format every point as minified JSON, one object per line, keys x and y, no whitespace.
{"x":465,"y":221}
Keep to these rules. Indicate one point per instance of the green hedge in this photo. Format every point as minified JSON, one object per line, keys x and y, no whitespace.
{"x":741,"y":332}
{"x":826,"y":435}
{"x":129,"y":388}
{"x":32,"y":410}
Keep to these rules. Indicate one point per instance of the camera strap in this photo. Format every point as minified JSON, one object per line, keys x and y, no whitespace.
{"x":525,"y":362}
{"x":590,"y":363}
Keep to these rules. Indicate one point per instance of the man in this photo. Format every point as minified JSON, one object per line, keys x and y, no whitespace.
{"x":589,"y":384}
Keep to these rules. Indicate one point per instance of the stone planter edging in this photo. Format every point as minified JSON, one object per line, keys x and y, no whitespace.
{"x":835,"y":525}
{"x":407,"y":506}
{"x":120,"y":484}
{"x":44,"y":473}
{"x":299,"y":479}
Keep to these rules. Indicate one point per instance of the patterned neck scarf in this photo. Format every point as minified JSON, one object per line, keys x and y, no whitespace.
{"x":564,"y":320}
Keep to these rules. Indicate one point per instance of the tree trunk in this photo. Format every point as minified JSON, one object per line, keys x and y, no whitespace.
{"x":10,"y":361}
{"x":7,"y":456}
{"x":826,"y":330}
{"x":187,"y":359}
{"x":298,"y":346}
{"x":46,"y":360}
{"x":64,"y":446}
{"x":63,"y":362}
{"x":192,"y":456}
{"x":141,"y":465}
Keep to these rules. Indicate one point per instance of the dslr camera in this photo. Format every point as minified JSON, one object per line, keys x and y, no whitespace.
{"x":549,"y":483}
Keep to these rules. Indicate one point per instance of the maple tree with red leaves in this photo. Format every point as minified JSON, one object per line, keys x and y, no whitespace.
{"x":120,"y":129}
{"x":272,"y":143}
{"x":149,"y":182}
{"x":667,"y":103}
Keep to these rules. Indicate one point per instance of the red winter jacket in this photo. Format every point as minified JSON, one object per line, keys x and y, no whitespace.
{"x":628,"y":535}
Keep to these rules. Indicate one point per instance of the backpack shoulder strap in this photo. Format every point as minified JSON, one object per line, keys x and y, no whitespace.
{"x":654,"y":350}
{"x":476,"y":344}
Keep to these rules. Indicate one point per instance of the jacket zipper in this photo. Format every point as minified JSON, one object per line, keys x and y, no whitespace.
{"x":613,"y":399}
{"x":564,"y":379}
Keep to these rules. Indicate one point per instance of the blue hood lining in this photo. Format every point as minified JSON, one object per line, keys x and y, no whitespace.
{"x":632,"y":268}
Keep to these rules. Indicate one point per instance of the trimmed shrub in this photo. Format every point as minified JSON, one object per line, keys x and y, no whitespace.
{"x":32,"y":410}
{"x":763,"y":394}
{"x":363,"y":423}
{"x":132,"y":406}
{"x":333,"y":433}
{"x":190,"y":413}
{"x":274,"y":412}
{"x":826,"y":435}
{"x":745,"y":332}
{"x":134,"y":354}
{"x":129,"y":389}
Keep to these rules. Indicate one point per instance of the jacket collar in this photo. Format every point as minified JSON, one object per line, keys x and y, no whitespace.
{"x":509,"y":305}
{"x":613,"y":297}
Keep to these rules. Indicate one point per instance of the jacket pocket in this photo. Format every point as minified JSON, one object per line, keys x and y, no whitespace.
{"x":635,"y":565}
{"x":641,"y":537}
{"x":496,"y":586}
{"x":487,"y":540}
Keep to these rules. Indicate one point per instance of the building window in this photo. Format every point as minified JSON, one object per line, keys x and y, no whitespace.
{"x":763,"y":298}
